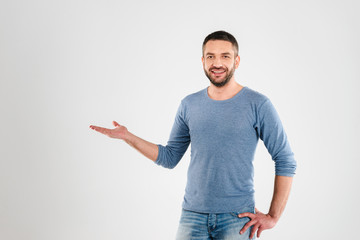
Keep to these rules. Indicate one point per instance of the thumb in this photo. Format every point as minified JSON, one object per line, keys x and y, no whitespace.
{"x":116,"y":124}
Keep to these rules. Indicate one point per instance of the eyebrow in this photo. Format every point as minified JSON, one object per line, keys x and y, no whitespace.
{"x":225,"y":53}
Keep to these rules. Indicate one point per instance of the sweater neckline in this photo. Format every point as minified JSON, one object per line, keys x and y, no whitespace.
{"x":208,"y":98}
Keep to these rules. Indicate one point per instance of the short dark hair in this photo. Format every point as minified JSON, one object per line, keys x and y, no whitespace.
{"x":222,"y":35}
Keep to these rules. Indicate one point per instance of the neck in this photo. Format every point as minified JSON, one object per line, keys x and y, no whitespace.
{"x":224,"y":92}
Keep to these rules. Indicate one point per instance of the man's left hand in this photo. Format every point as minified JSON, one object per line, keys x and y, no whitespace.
{"x":259,"y":221}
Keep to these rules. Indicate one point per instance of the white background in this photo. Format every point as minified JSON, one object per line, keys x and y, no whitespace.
{"x":65,"y":65}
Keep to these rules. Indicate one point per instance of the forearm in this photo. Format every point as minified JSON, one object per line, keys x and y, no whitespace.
{"x":261,"y":221}
{"x":148,"y":149}
{"x":282,"y":188}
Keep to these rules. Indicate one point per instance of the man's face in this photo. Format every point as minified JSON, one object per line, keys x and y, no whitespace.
{"x":219,"y":62}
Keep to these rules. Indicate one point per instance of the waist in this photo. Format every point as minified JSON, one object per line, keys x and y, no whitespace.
{"x":218,"y":204}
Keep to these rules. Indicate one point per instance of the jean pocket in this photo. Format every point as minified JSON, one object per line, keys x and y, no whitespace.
{"x":244,"y":210}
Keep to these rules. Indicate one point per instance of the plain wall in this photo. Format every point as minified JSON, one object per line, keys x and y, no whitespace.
{"x":65,"y":65}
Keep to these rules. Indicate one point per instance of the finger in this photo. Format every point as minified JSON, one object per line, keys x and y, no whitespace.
{"x":259,"y":232}
{"x":249,"y":224}
{"x":116,"y":124}
{"x":93,"y":127}
{"x":246,"y":214}
{"x":257,"y":211}
{"x":253,"y":230}
{"x":100,"y":129}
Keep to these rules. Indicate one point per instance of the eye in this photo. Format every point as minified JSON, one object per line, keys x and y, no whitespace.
{"x":209,"y":57}
{"x":226,"y":56}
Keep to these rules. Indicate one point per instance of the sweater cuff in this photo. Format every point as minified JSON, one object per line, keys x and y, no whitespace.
{"x":157,"y":161}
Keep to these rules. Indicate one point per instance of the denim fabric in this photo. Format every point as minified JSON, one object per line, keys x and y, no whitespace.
{"x":211,"y":226}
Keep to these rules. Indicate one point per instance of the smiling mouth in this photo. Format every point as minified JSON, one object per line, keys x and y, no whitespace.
{"x":220,"y":71}
{"x":217,"y":72}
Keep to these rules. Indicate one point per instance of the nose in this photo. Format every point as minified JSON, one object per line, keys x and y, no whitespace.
{"x":217,"y":62}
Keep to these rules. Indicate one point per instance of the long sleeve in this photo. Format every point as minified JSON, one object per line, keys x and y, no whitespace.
{"x":271,"y":132}
{"x":179,"y":140}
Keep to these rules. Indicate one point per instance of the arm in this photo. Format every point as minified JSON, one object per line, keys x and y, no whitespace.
{"x":148,"y":149}
{"x":281,"y":193}
{"x":271,"y":131}
{"x":261,"y":221}
{"x":167,"y":156}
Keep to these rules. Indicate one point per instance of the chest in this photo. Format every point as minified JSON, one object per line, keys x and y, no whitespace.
{"x":228,"y":121}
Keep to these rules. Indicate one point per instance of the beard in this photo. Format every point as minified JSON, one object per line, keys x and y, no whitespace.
{"x":223,"y":82}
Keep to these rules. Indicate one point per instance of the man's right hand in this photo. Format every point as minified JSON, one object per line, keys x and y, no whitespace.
{"x":119,"y":131}
{"x":148,"y":149}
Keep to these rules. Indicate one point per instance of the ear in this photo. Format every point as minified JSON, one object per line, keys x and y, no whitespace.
{"x":237,"y":61}
{"x":202,"y":60}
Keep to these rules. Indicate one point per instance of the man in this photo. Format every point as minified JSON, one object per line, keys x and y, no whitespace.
{"x":223,"y":122}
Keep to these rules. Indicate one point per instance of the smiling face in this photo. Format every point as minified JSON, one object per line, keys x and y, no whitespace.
{"x":219,"y":61}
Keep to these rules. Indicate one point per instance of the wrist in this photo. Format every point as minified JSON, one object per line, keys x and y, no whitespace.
{"x":274,"y":216}
{"x":128,"y":136}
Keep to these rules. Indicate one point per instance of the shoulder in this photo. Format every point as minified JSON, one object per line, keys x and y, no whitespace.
{"x":190,"y":100}
{"x":264,"y":108}
{"x":259,"y":103}
{"x":194,"y":97}
{"x":254,"y":96}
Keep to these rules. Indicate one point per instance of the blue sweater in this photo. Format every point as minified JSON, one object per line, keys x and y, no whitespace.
{"x":223,"y":136}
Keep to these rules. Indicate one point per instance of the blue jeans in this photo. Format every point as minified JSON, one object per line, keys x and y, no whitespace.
{"x":205,"y":226}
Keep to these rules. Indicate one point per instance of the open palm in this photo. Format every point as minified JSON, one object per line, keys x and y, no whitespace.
{"x":118,"y":132}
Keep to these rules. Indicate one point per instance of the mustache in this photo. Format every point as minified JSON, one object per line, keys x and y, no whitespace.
{"x":217,"y":68}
